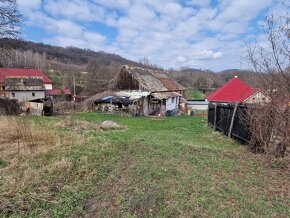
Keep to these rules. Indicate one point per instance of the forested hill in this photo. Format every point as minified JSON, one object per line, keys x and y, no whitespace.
{"x":68,"y":55}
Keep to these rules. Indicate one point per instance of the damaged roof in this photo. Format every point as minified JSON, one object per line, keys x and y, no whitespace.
{"x":165,"y":95}
{"x":24,"y":83}
{"x":144,"y":79}
{"x":122,"y":97}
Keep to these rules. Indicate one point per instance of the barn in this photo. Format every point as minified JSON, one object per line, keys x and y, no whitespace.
{"x":164,"y":93}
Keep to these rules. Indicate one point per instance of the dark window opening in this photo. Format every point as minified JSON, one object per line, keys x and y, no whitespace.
{"x":172,"y":101}
{"x":13,"y":94}
{"x":33,"y":94}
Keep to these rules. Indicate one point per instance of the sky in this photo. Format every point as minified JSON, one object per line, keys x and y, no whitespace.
{"x":202,"y":34}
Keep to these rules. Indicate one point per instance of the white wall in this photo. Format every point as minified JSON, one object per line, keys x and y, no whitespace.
{"x":22,"y":96}
{"x":258,"y":97}
{"x":198,"y":107}
{"x":172,"y":105}
{"x":48,"y":86}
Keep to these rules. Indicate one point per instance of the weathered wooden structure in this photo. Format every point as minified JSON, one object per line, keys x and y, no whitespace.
{"x":165,"y":93}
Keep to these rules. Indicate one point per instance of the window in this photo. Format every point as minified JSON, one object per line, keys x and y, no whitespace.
{"x":33,"y":94}
{"x":172,"y":100}
{"x":13,"y":94}
{"x":2,"y":87}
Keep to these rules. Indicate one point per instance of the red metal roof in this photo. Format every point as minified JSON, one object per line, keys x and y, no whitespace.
{"x":54,"y":92}
{"x":22,"y":72}
{"x":233,"y":91}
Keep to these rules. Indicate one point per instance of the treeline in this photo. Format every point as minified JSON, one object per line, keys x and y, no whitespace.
{"x":20,"y":59}
{"x":207,"y":81}
{"x":69,"y":55}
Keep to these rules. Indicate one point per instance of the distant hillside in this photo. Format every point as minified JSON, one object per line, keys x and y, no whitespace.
{"x":69,"y":55}
{"x":191,"y":70}
{"x":229,"y":71}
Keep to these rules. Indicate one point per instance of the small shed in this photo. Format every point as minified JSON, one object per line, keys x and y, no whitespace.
{"x":237,"y":90}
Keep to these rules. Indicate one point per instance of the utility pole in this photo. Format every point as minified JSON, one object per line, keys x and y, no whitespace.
{"x":74,"y":82}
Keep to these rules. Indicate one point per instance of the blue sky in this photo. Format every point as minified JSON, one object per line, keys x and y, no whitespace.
{"x":170,"y":33}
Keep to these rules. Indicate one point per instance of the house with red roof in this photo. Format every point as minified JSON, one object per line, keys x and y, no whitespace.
{"x":237,"y":91}
{"x":24,"y":72}
{"x":23,"y":84}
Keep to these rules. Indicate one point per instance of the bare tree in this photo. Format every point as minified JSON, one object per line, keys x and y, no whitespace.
{"x":270,"y":123}
{"x":10,"y":19}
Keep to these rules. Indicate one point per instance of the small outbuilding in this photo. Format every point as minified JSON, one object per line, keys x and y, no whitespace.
{"x":237,"y":90}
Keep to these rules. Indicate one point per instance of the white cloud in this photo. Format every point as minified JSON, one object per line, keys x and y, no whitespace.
{"x":75,"y":10}
{"x":25,"y":5}
{"x":169,"y":33}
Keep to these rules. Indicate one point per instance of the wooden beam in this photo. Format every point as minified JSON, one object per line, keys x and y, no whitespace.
{"x":232,"y":121}
{"x":215,"y":113}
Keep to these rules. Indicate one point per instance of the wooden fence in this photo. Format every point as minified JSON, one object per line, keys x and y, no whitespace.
{"x":229,"y":119}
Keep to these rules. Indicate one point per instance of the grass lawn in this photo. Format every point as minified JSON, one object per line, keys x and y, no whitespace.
{"x":194,"y":94}
{"x":176,"y":167}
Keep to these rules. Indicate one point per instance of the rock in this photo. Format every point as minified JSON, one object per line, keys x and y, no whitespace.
{"x":108,"y":124}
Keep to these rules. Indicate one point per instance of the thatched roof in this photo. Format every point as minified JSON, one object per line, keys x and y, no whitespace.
{"x":144,"y":79}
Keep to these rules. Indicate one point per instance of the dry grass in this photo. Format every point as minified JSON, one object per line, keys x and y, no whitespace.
{"x":22,"y":136}
{"x":77,"y":125}
{"x":29,"y":133}
{"x":22,"y":141}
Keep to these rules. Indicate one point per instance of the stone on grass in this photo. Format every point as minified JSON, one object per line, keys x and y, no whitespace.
{"x":108,"y":124}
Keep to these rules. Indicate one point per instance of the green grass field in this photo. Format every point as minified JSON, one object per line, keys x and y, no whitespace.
{"x":194,"y":94}
{"x":176,"y":167}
